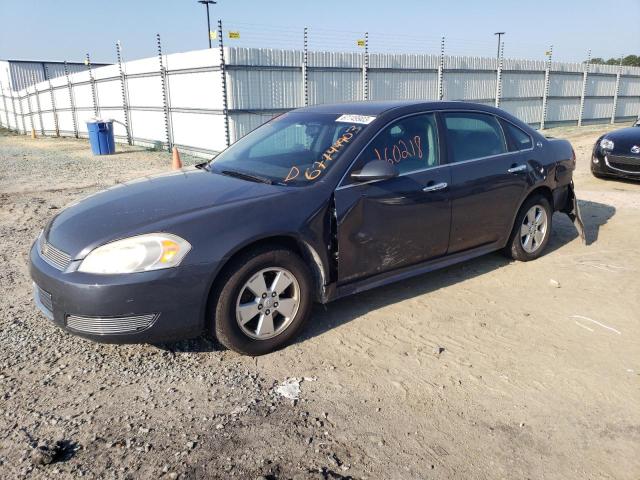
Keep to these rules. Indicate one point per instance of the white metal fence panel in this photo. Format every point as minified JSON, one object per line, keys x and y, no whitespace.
{"x":403,"y":85}
{"x":628,"y":107}
{"x":563,"y":109}
{"x":516,"y":84}
{"x":630,"y":86}
{"x":598,"y":108}
{"x":565,"y":85}
{"x":265,"y":89}
{"x":334,"y":86}
{"x":527,"y":110}
{"x":469,"y":85}
{"x":195,"y":106}
{"x":198,"y":90}
{"x":599,"y":85}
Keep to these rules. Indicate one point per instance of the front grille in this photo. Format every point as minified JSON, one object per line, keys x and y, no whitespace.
{"x":113,"y":325}
{"x":625,"y":164}
{"x":53,"y":256}
{"x":45,"y":298}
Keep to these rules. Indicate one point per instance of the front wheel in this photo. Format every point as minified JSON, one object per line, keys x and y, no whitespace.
{"x":262,"y":301}
{"x":531,"y":231}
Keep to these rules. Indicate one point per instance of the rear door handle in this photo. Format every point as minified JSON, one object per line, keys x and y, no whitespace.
{"x":435,"y":187}
{"x":516,"y":169}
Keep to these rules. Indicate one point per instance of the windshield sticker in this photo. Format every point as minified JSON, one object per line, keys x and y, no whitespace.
{"x":316,"y":169}
{"x":361,"y":119}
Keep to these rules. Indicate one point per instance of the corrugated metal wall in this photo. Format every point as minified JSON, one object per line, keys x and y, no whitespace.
{"x":262,"y":82}
{"x":22,"y":73}
{"x":269,"y":81}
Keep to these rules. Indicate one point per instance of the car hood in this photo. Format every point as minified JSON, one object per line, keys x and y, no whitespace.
{"x":126,"y":209}
{"x":624,"y":139}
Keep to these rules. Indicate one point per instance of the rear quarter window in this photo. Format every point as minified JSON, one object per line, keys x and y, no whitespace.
{"x":518,"y":138}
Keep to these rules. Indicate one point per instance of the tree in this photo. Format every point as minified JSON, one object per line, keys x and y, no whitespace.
{"x":629,"y":60}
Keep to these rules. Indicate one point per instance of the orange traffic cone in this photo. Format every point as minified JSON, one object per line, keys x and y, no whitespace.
{"x":176,"y":163}
{"x":33,"y":132}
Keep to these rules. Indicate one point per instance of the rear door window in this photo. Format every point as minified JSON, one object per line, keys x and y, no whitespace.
{"x":472,"y":135}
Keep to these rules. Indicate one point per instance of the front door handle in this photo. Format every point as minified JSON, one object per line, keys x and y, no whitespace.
{"x":435,"y":187}
{"x":516,"y":169}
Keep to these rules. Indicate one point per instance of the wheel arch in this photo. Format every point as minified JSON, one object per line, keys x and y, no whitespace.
{"x":291,"y":242}
{"x":543,"y":190}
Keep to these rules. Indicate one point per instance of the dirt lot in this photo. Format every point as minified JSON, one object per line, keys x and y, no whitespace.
{"x":489,"y":369}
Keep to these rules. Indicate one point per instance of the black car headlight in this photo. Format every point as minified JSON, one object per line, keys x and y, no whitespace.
{"x":152,"y":251}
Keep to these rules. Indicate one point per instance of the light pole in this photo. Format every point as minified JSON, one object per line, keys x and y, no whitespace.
{"x":499,"y":34}
{"x":207,"y":3}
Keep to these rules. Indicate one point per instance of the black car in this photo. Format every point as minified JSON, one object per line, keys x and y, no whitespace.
{"x":319,"y":203}
{"x":617,"y":154}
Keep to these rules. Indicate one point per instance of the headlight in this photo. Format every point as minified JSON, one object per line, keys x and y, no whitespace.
{"x":153,"y":251}
{"x":606,"y":144}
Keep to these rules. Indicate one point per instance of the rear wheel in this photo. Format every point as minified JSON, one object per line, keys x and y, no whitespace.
{"x":262,"y":301}
{"x":532,"y":229}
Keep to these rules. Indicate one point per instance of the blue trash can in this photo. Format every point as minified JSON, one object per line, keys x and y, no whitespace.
{"x":101,"y":137}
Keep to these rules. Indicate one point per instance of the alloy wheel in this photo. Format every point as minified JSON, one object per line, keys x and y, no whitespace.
{"x":268,"y":303}
{"x":533,"y":229}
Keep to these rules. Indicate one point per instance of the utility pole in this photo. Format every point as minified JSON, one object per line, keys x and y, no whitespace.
{"x":499,"y":34}
{"x":206,"y":3}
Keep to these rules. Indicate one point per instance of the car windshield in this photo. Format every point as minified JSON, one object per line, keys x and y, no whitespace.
{"x":296,"y":148}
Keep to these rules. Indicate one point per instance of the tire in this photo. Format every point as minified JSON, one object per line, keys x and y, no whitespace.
{"x":236,"y":288}
{"x":517,"y":247}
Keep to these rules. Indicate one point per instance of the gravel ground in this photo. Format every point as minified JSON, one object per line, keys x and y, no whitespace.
{"x":490,"y":369}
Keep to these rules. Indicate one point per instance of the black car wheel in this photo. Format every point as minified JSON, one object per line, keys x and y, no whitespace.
{"x":531,"y":230}
{"x":262,"y":301}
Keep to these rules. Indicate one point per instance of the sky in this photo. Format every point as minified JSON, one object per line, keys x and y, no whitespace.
{"x":68,"y":29}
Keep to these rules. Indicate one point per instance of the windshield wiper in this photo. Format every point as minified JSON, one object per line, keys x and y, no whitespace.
{"x":247,"y":176}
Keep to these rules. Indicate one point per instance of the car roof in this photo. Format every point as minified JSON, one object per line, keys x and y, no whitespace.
{"x":367,"y":107}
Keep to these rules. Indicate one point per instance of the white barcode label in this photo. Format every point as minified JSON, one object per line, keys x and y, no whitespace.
{"x":350,"y":118}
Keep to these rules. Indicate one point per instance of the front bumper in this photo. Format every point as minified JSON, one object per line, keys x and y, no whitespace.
{"x":615,"y":166}
{"x":149,"y":307}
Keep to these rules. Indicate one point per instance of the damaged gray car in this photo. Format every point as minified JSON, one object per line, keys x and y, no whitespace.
{"x":318,"y":203}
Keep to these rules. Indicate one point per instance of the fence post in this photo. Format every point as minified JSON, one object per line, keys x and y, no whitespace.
{"x":15,"y":111}
{"x":123,"y":87}
{"x":33,"y":125}
{"x":24,"y":124}
{"x":94,"y":94}
{"x":499,"y":75}
{"x":616,"y":91}
{"x":441,"y":71}
{"x":225,"y":101}
{"x":74,"y":118}
{"x":4,"y":103}
{"x":165,"y":103}
{"x":305,"y":63}
{"x":53,"y":102}
{"x":365,"y":68}
{"x":37,"y":94}
{"x":545,"y":94}
{"x":584,"y":87}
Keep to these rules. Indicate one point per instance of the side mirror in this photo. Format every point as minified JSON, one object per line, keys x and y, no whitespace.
{"x":375,"y":170}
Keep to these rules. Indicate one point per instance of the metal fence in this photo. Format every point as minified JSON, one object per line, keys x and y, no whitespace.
{"x":202,"y":100}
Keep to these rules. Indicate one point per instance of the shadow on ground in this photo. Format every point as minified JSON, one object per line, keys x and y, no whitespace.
{"x":344,"y":310}
{"x":326,"y":317}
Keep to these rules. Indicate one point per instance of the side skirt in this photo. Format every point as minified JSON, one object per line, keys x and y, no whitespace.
{"x":407,"y":272}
